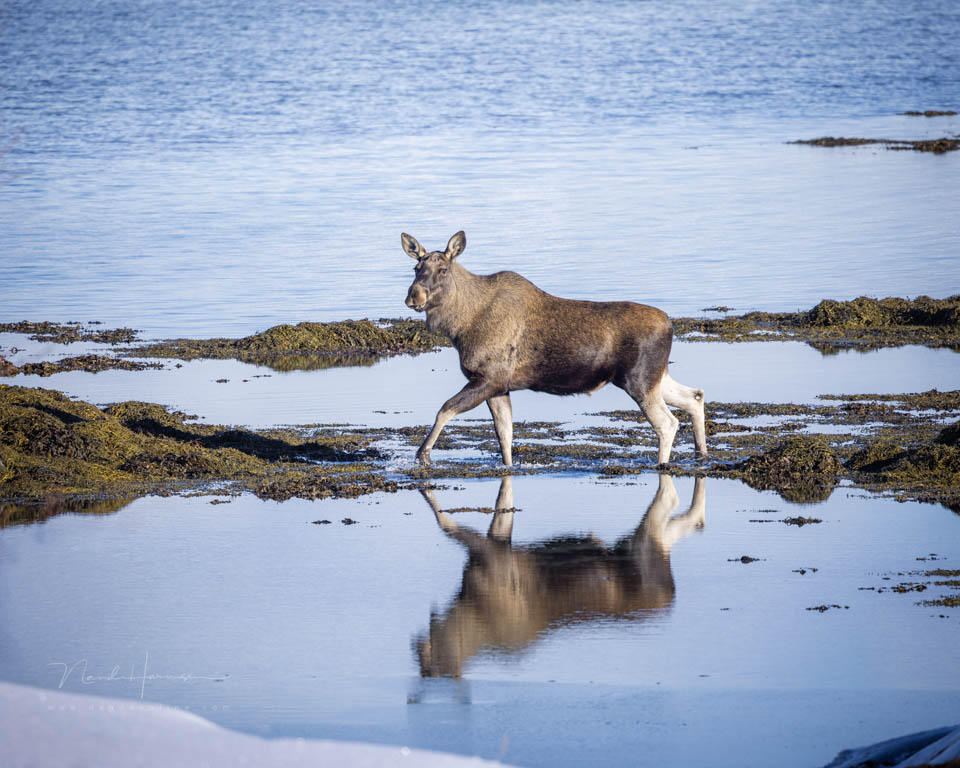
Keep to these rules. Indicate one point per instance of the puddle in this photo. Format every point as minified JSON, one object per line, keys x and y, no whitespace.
{"x":405,"y":391}
{"x":534,"y":635}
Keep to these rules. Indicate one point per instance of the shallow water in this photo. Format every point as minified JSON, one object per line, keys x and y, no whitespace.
{"x":253,"y":617}
{"x":250,"y":615}
{"x":404,"y":391}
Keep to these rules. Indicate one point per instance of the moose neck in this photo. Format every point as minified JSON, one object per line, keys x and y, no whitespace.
{"x":457,"y":311}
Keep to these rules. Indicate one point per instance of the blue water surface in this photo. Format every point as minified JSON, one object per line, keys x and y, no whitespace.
{"x":203,"y":168}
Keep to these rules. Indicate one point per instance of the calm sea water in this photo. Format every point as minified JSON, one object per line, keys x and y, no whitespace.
{"x":570,"y":654}
{"x":217,"y":167}
{"x":205,"y":168}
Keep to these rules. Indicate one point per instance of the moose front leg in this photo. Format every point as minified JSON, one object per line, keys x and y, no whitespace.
{"x":474,"y":393}
{"x":503,"y":424}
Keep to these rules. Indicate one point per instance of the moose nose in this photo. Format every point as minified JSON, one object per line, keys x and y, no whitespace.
{"x":416,"y":297}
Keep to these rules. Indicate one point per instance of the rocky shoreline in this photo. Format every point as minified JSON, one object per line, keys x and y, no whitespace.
{"x":53,"y":448}
{"x":863,"y":323}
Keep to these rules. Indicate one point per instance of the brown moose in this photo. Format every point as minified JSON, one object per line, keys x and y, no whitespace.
{"x":513,"y":336}
{"x":511,"y":597}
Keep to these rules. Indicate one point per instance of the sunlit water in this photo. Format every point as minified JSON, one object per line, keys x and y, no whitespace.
{"x":206,"y":168}
{"x":672,"y":653}
{"x":215,"y":168}
{"x":631,"y":635}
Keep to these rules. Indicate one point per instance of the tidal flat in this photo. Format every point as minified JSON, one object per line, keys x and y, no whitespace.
{"x":254,"y":543}
{"x":906,"y":444}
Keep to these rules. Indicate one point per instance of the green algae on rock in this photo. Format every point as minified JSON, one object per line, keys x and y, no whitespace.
{"x":928,"y":580}
{"x":936,"y":146}
{"x":802,"y":468}
{"x":311,"y":485}
{"x":69,"y":333}
{"x":88,"y":363}
{"x":904,"y":446}
{"x":945,"y":578}
{"x":307,"y":345}
{"x":50,"y":444}
{"x":929,"y":113}
{"x":864,"y":312}
{"x":927,"y":471}
{"x":863,"y":323}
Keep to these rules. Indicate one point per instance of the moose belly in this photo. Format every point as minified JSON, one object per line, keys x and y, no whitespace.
{"x":571,"y":382}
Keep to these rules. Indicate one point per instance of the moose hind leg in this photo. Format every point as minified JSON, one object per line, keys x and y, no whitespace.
{"x":664,"y":423}
{"x":690,"y":400}
{"x":502,"y":413}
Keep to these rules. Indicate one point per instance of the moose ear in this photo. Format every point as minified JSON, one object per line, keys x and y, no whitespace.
{"x":411,"y":246}
{"x":456,"y":245}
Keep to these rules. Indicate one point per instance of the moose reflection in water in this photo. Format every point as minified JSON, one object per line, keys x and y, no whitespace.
{"x":510,"y":596}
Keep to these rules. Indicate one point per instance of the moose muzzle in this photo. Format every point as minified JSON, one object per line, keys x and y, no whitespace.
{"x":417,"y":297}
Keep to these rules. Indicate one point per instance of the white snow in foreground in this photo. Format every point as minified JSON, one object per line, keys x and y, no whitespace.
{"x":53,"y":729}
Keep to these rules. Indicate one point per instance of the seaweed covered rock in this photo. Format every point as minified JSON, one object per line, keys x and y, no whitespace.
{"x":802,"y":468}
{"x":287,"y":485}
{"x":191,"y":464}
{"x":936,"y":146}
{"x":307,"y":345}
{"x":40,"y":433}
{"x":88,"y":363}
{"x":833,"y":325}
{"x":148,"y":418}
{"x":932,"y":465}
{"x":320,"y":337}
{"x":876,"y":456}
{"x":68,"y":333}
{"x":52,"y":444}
{"x":864,"y":312}
{"x":930,"y":472}
{"x":950,"y":435}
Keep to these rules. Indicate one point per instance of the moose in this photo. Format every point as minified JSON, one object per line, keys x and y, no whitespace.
{"x":512,"y":336}
{"x":511,"y":596}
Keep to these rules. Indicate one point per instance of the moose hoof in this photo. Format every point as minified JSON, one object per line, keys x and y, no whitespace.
{"x":423,"y":458}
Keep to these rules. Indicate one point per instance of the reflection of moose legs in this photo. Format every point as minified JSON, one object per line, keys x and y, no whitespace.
{"x":659,"y":527}
{"x":501,"y":527}
{"x":656,"y":535}
{"x":511,"y":596}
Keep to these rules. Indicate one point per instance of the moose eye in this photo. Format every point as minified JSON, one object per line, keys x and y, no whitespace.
{"x":443,"y":270}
